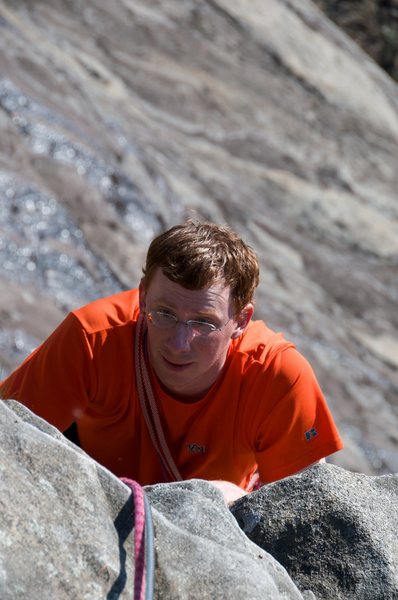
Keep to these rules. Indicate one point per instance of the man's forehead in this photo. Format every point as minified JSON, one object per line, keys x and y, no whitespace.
{"x":161,"y":288}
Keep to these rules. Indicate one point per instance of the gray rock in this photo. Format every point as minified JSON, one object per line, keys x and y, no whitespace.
{"x":118,"y":119}
{"x":373,"y":25}
{"x":58,"y":516}
{"x":334,"y":531}
{"x":66,"y":529}
{"x":204,"y":554}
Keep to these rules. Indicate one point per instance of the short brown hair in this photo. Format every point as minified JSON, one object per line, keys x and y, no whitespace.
{"x":196,"y":255}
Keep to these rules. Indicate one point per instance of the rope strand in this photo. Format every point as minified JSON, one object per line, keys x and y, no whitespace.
{"x":151,"y":412}
{"x":139,"y":538}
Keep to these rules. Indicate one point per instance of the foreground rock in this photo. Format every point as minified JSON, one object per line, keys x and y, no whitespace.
{"x":66,"y":529}
{"x":118,"y":119}
{"x":334,"y":531}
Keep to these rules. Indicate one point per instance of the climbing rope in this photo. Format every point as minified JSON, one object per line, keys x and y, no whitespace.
{"x":149,"y":406}
{"x":144,"y":553}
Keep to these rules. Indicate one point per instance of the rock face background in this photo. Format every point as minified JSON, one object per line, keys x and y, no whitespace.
{"x":120,"y":119}
{"x":373,"y":24}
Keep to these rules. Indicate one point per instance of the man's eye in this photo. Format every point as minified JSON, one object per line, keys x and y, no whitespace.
{"x":165,"y":312}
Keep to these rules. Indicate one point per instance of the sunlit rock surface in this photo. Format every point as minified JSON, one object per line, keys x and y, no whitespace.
{"x":373,"y":24}
{"x":117,"y":120}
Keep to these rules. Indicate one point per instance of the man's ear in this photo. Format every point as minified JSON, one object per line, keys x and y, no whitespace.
{"x":142,"y":297}
{"x":243,"y":320}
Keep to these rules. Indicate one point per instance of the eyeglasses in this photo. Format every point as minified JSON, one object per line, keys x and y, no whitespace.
{"x":166,"y":320}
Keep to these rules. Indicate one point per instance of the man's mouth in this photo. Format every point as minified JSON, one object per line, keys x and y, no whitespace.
{"x":179,"y":366}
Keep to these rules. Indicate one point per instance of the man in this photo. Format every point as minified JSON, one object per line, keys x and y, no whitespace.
{"x":175,"y":380}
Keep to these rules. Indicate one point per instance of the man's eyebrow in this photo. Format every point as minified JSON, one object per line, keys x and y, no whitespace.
{"x":200,"y":312}
{"x":163,"y":300}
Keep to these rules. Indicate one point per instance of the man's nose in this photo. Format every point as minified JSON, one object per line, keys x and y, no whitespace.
{"x":180,"y":337}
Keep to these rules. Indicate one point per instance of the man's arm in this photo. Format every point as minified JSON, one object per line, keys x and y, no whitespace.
{"x":53,"y":381}
{"x":293,"y":427}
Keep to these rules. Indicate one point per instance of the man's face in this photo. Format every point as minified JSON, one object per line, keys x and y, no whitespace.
{"x":187,"y":365}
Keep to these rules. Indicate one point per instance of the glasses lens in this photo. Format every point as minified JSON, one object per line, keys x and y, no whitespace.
{"x":165,"y":320}
{"x":162,"y":320}
{"x":201,"y":328}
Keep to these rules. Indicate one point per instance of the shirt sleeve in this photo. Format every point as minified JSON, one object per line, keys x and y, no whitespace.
{"x":295,"y":426}
{"x":54,"y":380}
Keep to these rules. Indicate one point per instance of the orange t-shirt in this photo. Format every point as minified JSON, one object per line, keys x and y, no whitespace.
{"x":265,"y":409}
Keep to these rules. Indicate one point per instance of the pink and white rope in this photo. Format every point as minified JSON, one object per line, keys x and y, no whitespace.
{"x":149,"y":407}
{"x":139,"y":538}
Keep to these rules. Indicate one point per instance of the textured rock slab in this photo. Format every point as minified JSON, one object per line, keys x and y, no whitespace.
{"x":66,"y":529}
{"x":59,"y":524}
{"x":203,"y":552}
{"x":331,"y":528}
{"x":117,"y":120}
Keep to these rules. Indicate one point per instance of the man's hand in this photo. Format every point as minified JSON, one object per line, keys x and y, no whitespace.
{"x":230,"y":491}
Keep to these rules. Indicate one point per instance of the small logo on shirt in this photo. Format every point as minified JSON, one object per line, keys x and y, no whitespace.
{"x":196,"y":448}
{"x":311,"y":433}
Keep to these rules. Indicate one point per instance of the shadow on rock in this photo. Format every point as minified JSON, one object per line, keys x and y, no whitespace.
{"x":334,"y":531}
